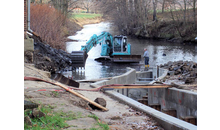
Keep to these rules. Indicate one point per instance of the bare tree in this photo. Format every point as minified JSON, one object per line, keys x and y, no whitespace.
{"x":87,"y":4}
{"x":155,"y":10}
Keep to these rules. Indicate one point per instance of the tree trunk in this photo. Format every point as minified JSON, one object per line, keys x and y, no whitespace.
{"x":194,"y":11}
{"x":155,"y":11}
{"x":184,"y":16}
{"x":163,"y":6}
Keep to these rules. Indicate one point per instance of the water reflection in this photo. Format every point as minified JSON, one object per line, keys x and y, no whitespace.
{"x":96,"y":70}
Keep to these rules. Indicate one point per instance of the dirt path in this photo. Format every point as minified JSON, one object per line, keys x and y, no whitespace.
{"x":119,"y":116}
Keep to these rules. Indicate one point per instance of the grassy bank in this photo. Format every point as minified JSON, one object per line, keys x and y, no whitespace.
{"x":86,"y":18}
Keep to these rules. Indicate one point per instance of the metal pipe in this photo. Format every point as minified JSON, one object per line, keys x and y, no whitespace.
{"x":29,"y":5}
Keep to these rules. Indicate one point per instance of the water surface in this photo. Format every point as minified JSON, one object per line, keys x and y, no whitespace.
{"x":96,"y":70}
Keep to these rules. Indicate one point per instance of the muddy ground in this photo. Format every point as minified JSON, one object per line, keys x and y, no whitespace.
{"x":119,"y":116}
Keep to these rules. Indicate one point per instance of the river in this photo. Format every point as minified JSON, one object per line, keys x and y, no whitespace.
{"x":96,"y":70}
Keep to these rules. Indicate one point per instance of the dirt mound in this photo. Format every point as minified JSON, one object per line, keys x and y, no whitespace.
{"x":50,"y":59}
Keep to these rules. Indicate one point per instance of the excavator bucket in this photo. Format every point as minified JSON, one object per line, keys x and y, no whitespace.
{"x":78,"y":58}
{"x":62,"y":79}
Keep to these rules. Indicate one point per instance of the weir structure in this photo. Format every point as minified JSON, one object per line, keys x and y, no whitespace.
{"x":172,"y":108}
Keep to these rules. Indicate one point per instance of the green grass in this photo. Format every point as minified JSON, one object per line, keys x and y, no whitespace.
{"x":52,"y":120}
{"x":85,"y":15}
{"x":57,"y":120}
{"x":104,"y":126}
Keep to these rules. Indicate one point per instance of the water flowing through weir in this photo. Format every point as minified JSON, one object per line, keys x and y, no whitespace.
{"x":96,"y":70}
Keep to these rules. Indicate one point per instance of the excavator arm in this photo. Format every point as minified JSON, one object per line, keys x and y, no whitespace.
{"x":105,"y":38}
{"x":79,"y":57}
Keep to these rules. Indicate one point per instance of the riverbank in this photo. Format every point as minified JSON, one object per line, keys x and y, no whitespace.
{"x":172,"y":25}
{"x":119,"y":116}
{"x":167,"y":30}
{"x":86,"y":18}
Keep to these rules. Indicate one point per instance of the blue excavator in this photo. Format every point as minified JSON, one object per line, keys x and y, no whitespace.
{"x":114,"y":49}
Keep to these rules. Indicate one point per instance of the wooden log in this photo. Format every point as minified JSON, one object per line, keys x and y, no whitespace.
{"x":81,"y":96}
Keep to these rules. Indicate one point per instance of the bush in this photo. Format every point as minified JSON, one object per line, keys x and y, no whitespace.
{"x":50,"y":25}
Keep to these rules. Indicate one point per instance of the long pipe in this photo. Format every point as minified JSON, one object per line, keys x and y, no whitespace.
{"x":70,"y":90}
{"x":29,"y":12}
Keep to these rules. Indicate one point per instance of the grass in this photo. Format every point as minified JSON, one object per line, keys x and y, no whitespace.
{"x":57,"y":120}
{"x":52,"y":120}
{"x":104,"y":126}
{"x":85,"y":15}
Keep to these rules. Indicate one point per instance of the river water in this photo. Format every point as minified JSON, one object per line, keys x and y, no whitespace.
{"x":96,"y":70}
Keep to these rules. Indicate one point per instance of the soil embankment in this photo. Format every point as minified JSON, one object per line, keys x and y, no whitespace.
{"x":50,"y":59}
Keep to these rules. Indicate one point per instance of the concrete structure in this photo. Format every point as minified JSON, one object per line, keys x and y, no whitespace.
{"x":126,"y":78}
{"x":183,"y":101}
{"x":168,"y":122}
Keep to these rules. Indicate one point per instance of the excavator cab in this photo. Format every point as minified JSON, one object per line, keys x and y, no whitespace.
{"x":120,"y":45}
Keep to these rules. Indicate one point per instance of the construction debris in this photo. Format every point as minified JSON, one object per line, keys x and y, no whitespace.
{"x":183,"y":71}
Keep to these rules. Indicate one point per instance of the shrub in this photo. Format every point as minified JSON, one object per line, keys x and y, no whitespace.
{"x":50,"y":25}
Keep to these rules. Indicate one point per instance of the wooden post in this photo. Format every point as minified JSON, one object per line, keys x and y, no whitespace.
{"x":157,"y":71}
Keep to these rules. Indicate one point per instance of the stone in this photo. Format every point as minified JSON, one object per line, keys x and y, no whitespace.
{"x":29,"y":105}
{"x":177,"y":72}
{"x":100,"y":101}
{"x":27,"y":120}
{"x":37,"y":113}
{"x":189,"y":80}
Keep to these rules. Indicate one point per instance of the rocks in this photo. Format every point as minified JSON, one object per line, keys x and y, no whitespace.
{"x":37,"y":113}
{"x":32,"y":113}
{"x":189,"y":80}
{"x":29,"y":105}
{"x":27,"y":120}
{"x":184,"y":70}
